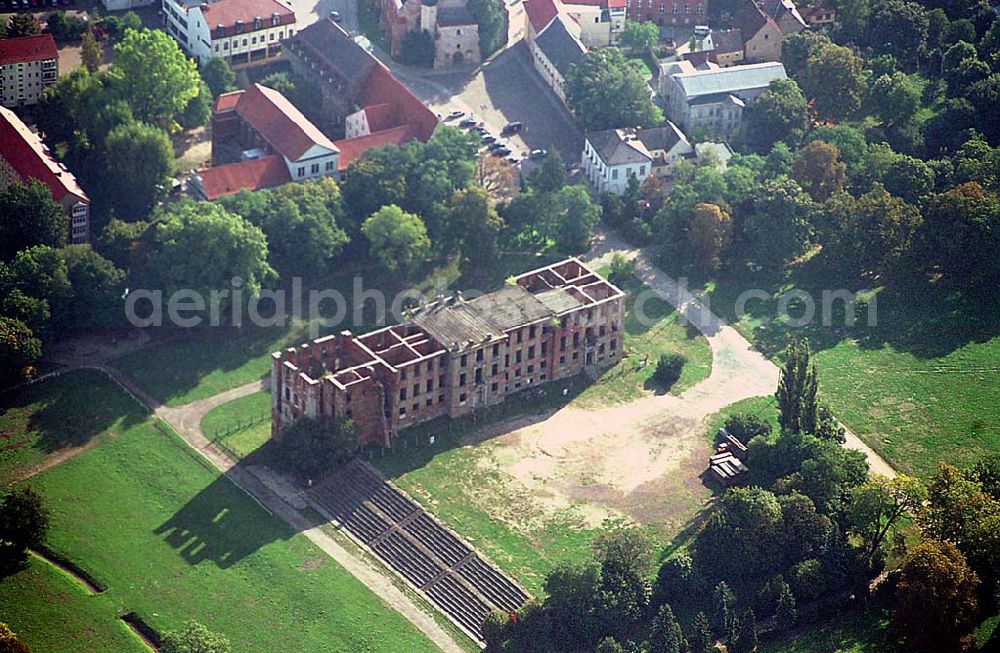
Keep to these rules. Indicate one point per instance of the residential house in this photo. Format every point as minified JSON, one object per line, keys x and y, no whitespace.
{"x":611,"y":157}
{"x":667,"y":12}
{"x":785,"y":15}
{"x":821,"y":15}
{"x":455,"y":356}
{"x":23,"y":157}
{"x":713,"y":100}
{"x":239,"y":31}
{"x":28,"y":65}
{"x":761,"y":34}
{"x":600,"y":21}
{"x":538,"y":14}
{"x":727,"y":48}
{"x":453,"y":27}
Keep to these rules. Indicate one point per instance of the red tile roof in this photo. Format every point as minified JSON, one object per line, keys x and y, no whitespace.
{"x":27,"y":48}
{"x":266,"y":172}
{"x":540,"y":13}
{"x":382,"y":88}
{"x":227,"y":12}
{"x":228,"y":101}
{"x":277,"y":121}
{"x":380,"y":116}
{"x":751,"y":19}
{"x":351,"y":149}
{"x":30,"y":159}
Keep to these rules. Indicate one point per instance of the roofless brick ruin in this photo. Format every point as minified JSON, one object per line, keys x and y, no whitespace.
{"x":454,"y":355}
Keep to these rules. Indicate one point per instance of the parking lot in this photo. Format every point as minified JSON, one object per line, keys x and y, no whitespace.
{"x":505,"y":89}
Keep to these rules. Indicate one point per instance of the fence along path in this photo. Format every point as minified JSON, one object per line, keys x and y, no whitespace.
{"x":446,"y":570}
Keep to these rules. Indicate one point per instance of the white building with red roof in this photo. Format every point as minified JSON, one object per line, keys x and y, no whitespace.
{"x":28,"y":65}
{"x":24,"y":157}
{"x":239,"y":31}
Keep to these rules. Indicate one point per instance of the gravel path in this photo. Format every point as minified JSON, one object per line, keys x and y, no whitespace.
{"x":739,"y":371}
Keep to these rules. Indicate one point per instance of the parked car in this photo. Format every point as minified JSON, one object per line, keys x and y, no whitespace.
{"x":501,"y":151}
{"x":489,"y":138}
{"x":511,"y":128}
{"x":468,"y":122}
{"x":513,"y":160}
{"x":496,"y":145}
{"x":538,"y":154}
{"x":455,"y":114}
{"x":335,"y":16}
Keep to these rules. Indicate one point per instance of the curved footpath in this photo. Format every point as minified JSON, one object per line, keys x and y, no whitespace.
{"x":744,"y":369}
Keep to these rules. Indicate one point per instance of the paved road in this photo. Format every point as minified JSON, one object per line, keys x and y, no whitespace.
{"x":745,"y":369}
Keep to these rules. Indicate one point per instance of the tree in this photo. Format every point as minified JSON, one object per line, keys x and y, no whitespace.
{"x":708,"y":235}
{"x":871,"y":233}
{"x":797,"y":387}
{"x":625,"y":555}
{"x":894,"y":99}
{"x":476,"y":226}
{"x":97,"y":288}
{"x":91,"y":52}
{"x":834,"y":82}
{"x":202,"y":247}
{"x":24,"y":522}
{"x":140,"y":159}
{"x":301,"y":222}
{"x":665,"y":634}
{"x":701,"y":640}
{"x":639,"y":36}
{"x":877,"y":506}
{"x":744,"y":634}
{"x":63,"y":27}
{"x":494,"y":629}
{"x":154,"y":76}
{"x":819,"y":171}
{"x":609,"y":645}
{"x":909,"y":178}
{"x":219,"y":76}
{"x":417,"y":49}
{"x":23,"y":25}
{"x":668,"y":370}
{"x":899,"y":28}
{"x":746,"y":426}
{"x":786,"y":614}
{"x":960,"y":230}
{"x":571,"y":603}
{"x":984,"y":93}
{"x":37,"y":282}
{"x":573,"y":219}
{"x":935,"y":597}
{"x":779,"y":114}
{"x":19,"y":348}
{"x":312,"y":446}
{"x":492,"y":22}
{"x":621,"y":270}
{"x":604,"y":92}
{"x":398,"y":240}
{"x":551,"y":175}
{"x":779,"y":228}
{"x":28,"y":217}
{"x":193,"y":637}
{"x":797,"y":48}
{"x":198,"y":109}
{"x":723,"y":602}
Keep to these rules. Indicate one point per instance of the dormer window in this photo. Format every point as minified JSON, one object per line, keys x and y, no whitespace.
{"x":238,"y":26}
{"x":257,"y":23}
{"x":275,"y":20}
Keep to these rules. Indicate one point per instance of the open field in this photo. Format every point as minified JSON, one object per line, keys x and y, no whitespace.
{"x":56,"y":613}
{"x":175,"y":541}
{"x":57,"y":417}
{"x":919,"y":386}
{"x":659,"y":332}
{"x":242,"y":425}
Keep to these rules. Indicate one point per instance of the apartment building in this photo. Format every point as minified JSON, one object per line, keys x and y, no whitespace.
{"x":23,"y":157}
{"x":454,"y":355}
{"x":28,"y":65}
{"x":239,"y":31}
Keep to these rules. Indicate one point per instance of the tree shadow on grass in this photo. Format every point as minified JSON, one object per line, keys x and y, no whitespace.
{"x":221,"y":525}
{"x":69,"y":411}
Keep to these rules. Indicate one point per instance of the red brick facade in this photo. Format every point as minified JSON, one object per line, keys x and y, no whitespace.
{"x":454,"y":355}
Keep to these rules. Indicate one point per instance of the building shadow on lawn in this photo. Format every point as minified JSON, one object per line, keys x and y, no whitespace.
{"x":222,"y":526}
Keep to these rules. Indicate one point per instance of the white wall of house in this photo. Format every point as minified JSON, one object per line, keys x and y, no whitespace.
{"x":549,"y":73}
{"x":610,"y":179}
{"x":316,"y":162}
{"x":356,"y":124}
{"x":194,"y":33}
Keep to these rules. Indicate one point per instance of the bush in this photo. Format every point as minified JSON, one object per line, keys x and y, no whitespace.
{"x":746,"y":426}
{"x":310,"y":446}
{"x":621,"y":270}
{"x":417,"y":49}
{"x":668,"y":369}
{"x":24,"y":523}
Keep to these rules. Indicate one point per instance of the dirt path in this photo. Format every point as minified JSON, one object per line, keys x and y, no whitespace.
{"x":738,"y":370}
{"x":186,"y":420}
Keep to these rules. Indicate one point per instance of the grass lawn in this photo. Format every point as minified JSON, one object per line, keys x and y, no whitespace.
{"x":919,"y":385}
{"x":853,"y":632}
{"x":56,"y":613}
{"x":173,"y":540}
{"x":59,"y":414}
{"x":661,"y":334}
{"x":241,"y":425}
